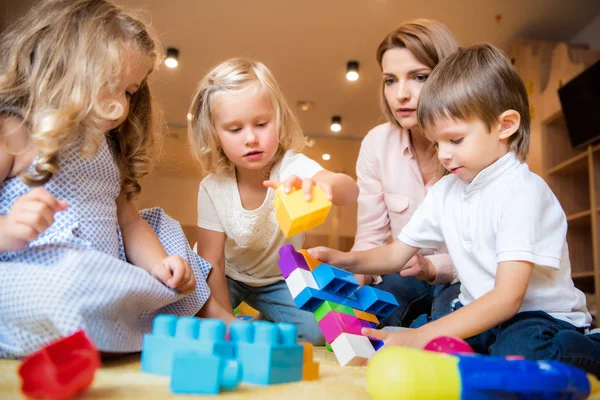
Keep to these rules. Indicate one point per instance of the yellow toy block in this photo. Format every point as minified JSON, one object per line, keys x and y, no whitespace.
{"x":365,"y":316}
{"x":296,"y":215}
{"x":310,"y":369}
{"x":311,"y":261}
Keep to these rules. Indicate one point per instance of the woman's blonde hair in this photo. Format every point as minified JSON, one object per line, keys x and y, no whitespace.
{"x":428,"y":40}
{"x":57,"y":62}
{"x":234,"y":75}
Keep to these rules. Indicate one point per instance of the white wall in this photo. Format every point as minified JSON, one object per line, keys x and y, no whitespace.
{"x":589,"y":35}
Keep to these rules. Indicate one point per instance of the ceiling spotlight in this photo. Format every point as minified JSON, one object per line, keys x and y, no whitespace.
{"x":305,"y":105}
{"x":352,"y":71}
{"x":326,"y":157}
{"x":172,"y":60}
{"x":336,"y":123}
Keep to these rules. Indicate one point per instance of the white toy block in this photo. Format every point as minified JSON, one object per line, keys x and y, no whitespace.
{"x":352,"y":349}
{"x":300,"y":279}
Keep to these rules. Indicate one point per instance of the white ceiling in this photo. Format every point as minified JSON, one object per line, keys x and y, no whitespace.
{"x":307,"y":44}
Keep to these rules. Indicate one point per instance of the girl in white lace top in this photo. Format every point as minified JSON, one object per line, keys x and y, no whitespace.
{"x":248,"y":141}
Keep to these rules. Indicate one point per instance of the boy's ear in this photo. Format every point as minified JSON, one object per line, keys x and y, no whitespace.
{"x":510,"y":121}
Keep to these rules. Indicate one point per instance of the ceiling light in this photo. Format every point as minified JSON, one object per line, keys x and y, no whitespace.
{"x":336,"y":123}
{"x":352,"y":71}
{"x":305,"y":105}
{"x":326,"y":157}
{"x":172,"y":60}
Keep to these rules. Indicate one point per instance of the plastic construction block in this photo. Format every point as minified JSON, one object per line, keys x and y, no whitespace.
{"x":300,"y":279}
{"x":171,"y":334}
{"x":195,"y":373}
{"x":375,"y":301}
{"x":335,"y":281}
{"x":334,"y":324}
{"x":310,"y":299}
{"x":310,"y":369}
{"x":296,"y":215}
{"x":352,"y":349}
{"x":328,"y":306}
{"x":61,"y":369}
{"x":290,"y":260}
{"x":268,"y":352}
{"x":366,"y":316}
{"x":310,"y":260}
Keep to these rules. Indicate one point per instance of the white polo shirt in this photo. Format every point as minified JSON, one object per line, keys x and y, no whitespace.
{"x":507,"y":213}
{"x":253,"y":236}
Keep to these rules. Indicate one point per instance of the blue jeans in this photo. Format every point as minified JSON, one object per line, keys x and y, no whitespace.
{"x":536,"y":335}
{"x":276,"y":304}
{"x":416,"y":298}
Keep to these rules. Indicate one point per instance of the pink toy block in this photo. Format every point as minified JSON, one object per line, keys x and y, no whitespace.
{"x":334,"y":324}
{"x":290,"y":260}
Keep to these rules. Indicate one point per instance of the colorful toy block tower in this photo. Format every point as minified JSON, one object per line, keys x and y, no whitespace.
{"x":340,"y":307}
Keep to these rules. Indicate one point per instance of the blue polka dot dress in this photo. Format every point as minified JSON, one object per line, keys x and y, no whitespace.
{"x":75,"y":275}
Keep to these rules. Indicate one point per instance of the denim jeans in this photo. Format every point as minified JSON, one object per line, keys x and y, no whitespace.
{"x":276,"y":304}
{"x":536,"y":335}
{"x":417,"y":298}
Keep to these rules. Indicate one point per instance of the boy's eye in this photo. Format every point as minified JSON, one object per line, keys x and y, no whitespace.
{"x":128,"y":94}
{"x":456,"y":141}
{"x":435,"y":145}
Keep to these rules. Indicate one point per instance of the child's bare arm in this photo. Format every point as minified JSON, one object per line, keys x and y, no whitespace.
{"x":378,"y":261}
{"x":211,"y":247}
{"x":489,"y":311}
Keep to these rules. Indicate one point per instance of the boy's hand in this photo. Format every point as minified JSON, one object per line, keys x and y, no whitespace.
{"x":28,"y":218}
{"x":306,"y":185}
{"x":420,"y":267}
{"x":407,"y":337}
{"x":333,"y":257}
{"x":175,"y":273}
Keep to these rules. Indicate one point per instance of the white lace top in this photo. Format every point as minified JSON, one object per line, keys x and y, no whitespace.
{"x":253,"y":236}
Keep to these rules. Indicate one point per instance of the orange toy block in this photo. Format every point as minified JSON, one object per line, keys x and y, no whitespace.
{"x":296,"y":215}
{"x":310,"y":369}
{"x":365,"y":316}
{"x":311,"y":261}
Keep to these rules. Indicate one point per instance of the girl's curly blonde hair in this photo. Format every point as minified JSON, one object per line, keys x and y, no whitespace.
{"x":234,"y":75}
{"x":57,"y":61}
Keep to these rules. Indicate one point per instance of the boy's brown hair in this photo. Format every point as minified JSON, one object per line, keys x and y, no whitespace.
{"x":476,"y":82}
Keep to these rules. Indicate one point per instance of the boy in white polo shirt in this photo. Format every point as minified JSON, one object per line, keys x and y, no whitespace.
{"x":504,"y":228}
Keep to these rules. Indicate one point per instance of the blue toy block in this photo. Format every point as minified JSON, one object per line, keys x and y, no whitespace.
{"x":335,"y":281}
{"x":171,"y":334}
{"x":195,"y":373}
{"x":268,"y":352}
{"x":310,"y":299}
{"x":375,"y":301}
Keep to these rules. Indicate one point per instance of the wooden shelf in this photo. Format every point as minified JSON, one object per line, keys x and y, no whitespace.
{"x":574,"y":165}
{"x":582,"y":218}
{"x":581,"y":275}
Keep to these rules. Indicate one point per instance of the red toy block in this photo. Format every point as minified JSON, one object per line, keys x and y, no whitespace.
{"x":61,"y":369}
{"x":334,"y":324}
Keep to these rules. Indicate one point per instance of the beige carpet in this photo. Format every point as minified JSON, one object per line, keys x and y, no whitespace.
{"x":122,"y":379}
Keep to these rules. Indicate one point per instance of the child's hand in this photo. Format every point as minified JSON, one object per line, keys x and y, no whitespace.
{"x":407,"y":337}
{"x":420,"y":267}
{"x":306,"y":185}
{"x":333,"y":257}
{"x":175,"y":273}
{"x":28,"y":218}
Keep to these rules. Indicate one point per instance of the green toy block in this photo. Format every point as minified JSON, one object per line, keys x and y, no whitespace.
{"x":327,"y":306}
{"x":328,"y":347}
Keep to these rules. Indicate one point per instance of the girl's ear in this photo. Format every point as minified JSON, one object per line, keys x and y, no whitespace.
{"x":510,"y":121}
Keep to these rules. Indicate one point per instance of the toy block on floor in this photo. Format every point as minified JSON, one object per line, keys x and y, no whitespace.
{"x":290,"y":260}
{"x":268,"y":353}
{"x":195,"y":373}
{"x":335,"y":281}
{"x":352,"y":349}
{"x":60,"y":369}
{"x":296,"y":215}
{"x":171,"y":334}
{"x":375,"y":301}
{"x":334,"y":324}
{"x":310,"y":260}
{"x":366,"y":316}
{"x":310,"y":369}
{"x":299,"y":280}
{"x":328,"y":306}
